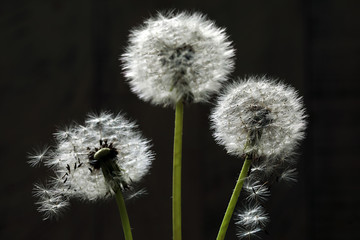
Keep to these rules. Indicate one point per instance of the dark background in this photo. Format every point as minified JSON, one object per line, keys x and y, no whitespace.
{"x":59,"y":61}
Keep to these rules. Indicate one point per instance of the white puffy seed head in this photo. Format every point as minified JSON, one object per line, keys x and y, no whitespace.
{"x":176,"y":57}
{"x":135,"y":193}
{"x":259,"y":116}
{"x":91,"y":160}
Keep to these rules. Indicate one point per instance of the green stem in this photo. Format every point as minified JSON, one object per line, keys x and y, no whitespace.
{"x":123,"y":214}
{"x":179,"y":113}
{"x":233,"y":199}
{"x":112,"y":172}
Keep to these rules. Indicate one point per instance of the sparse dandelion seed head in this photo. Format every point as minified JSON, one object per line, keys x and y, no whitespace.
{"x":81,"y":154}
{"x":177,"y":56}
{"x":260,"y":116}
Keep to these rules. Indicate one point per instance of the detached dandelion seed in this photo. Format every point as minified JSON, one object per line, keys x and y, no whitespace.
{"x":250,"y":221}
{"x":252,"y":217}
{"x":135,"y":194}
{"x":38,"y":156}
{"x":248,"y":233}
{"x":177,"y":57}
{"x":256,"y":191}
{"x":288,"y":175}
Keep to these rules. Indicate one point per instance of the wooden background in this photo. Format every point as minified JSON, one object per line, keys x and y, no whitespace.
{"x":59,"y":61}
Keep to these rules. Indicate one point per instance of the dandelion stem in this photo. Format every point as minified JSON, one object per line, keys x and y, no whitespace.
{"x":110,"y":171}
{"x":123,"y":214}
{"x":179,"y":113}
{"x":233,"y":199}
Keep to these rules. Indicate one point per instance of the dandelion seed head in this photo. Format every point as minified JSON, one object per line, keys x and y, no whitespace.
{"x":177,"y":56}
{"x":81,"y":151}
{"x":259,"y":116}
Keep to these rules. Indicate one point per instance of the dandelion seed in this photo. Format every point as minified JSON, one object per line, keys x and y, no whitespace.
{"x":38,"y":157}
{"x":257,"y":168}
{"x":135,"y":194}
{"x":91,"y":161}
{"x":259,"y":116}
{"x":175,"y":57}
{"x":52,"y":206}
{"x":252,"y":217}
{"x":40,"y":190}
{"x":247,"y":233}
{"x":288,"y":175}
{"x":256,"y":191}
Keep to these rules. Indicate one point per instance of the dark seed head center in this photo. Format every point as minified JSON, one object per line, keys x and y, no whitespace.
{"x":101,"y":155}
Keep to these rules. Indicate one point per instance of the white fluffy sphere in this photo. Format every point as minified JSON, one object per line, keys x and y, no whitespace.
{"x":261,"y":116}
{"x":175,"y":57}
